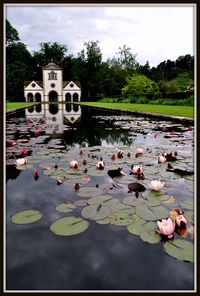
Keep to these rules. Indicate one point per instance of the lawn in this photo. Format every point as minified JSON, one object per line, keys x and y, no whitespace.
{"x":14,"y":105}
{"x":183,"y":111}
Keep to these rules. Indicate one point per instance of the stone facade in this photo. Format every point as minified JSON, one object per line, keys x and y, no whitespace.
{"x":52,"y":88}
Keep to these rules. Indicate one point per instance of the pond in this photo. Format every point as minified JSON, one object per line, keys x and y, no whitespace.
{"x":84,"y":228}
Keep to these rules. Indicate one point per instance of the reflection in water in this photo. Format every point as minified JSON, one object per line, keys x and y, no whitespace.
{"x":54,"y":114}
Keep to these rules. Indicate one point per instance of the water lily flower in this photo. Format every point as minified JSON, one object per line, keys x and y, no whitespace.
{"x":23,"y":152}
{"x":166,"y":227}
{"x":128,"y":154}
{"x":21,"y":161}
{"x":189,"y":128}
{"x":180,"y":220}
{"x":81,"y":152}
{"x":136,"y":169}
{"x":77,"y":187}
{"x":59,"y":181}
{"x":164,"y":129}
{"x":100,"y":165}
{"x":36,"y":133}
{"x":119,"y":153}
{"x":140,"y":150}
{"x":84,"y":162}
{"x":36,"y":175}
{"x":161,"y":159}
{"x":74,"y":164}
{"x":156,"y":185}
{"x":12,"y":142}
{"x":113,"y":156}
{"x":172,"y":133}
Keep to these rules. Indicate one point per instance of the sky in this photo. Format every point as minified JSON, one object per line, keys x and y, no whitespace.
{"x":154,"y":33}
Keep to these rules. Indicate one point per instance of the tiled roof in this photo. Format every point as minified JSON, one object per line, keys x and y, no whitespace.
{"x":52,"y":66}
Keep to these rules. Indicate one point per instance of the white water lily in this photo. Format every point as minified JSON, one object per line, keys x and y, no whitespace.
{"x":161,"y":159}
{"x":156,"y":185}
{"x":74,"y":164}
{"x":166,"y":227}
{"x":140,"y":150}
{"x":100,"y":165}
{"x":21,"y":161}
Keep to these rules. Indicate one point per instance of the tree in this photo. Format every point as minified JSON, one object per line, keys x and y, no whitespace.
{"x":139,"y":85}
{"x":126,"y":59}
{"x":12,"y":35}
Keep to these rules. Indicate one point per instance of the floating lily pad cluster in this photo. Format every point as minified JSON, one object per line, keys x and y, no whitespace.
{"x":125,"y":200}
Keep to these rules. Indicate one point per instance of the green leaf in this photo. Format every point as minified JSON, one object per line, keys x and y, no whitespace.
{"x":122,"y":218}
{"x":24,"y":167}
{"x":151,"y":213}
{"x":133,"y":201}
{"x":97,"y":200}
{"x":187,"y":204}
{"x":26,"y":217}
{"x":96,"y":212}
{"x":68,"y":226}
{"x":180,"y":249}
{"x":148,"y":233}
{"x":136,"y":227}
{"x":65,"y":208}
{"x":89,"y":191}
{"x":189,"y":215}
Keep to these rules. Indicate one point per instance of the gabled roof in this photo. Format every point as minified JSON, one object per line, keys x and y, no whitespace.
{"x":65,"y":83}
{"x":52,"y":66}
{"x":40,"y":83}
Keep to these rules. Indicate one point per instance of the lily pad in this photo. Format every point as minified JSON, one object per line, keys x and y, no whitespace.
{"x":89,"y":191}
{"x":151,"y":213}
{"x":81,"y":203}
{"x":96,"y":212}
{"x":104,"y":221}
{"x":170,"y":200}
{"x":97,"y":200}
{"x":136,"y":227}
{"x":187,"y":204}
{"x":180,"y":249}
{"x":121,"y":218}
{"x":68,"y":226}
{"x":189,"y":215}
{"x":133,"y":201}
{"x":26,"y":217}
{"x":148,"y":233}
{"x":24,"y":167}
{"x":65,"y":208}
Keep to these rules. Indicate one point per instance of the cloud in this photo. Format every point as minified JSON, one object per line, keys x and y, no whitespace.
{"x":154,"y":33}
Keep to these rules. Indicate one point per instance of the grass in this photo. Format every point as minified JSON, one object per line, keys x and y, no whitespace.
{"x":183,"y":111}
{"x":13,"y":105}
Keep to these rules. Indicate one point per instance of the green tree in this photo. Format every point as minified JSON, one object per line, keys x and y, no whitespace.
{"x":139,"y":85}
{"x":12,"y":35}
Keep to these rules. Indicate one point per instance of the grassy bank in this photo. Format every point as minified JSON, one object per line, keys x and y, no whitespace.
{"x":183,"y":111}
{"x":14,"y":105}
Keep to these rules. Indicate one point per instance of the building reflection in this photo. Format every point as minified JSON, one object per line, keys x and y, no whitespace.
{"x":55,"y":115}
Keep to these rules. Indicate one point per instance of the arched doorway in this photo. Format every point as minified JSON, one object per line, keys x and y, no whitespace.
{"x":53,"y":96}
{"x":38,"y":97}
{"x":75,"y":97}
{"x":68,"y":97}
{"x":30,"y":97}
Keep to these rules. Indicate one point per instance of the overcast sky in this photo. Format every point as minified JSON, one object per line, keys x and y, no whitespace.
{"x":154,"y":33}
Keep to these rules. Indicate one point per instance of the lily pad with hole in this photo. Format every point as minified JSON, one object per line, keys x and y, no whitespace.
{"x":96,"y":212}
{"x":26,"y":217}
{"x":89,"y":191}
{"x":187,"y":204}
{"x":180,"y":249}
{"x":68,"y":226}
{"x":65,"y":207}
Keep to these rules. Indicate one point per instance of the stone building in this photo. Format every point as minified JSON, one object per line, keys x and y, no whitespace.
{"x":52,"y":88}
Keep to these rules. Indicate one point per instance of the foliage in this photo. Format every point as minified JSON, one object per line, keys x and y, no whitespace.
{"x":179,"y":84}
{"x":139,"y":85}
{"x":12,"y":35}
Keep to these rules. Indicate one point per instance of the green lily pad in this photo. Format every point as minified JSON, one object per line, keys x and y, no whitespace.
{"x":26,"y":217}
{"x":96,"y":212}
{"x":81,"y":203}
{"x":97,"y":200}
{"x":136,"y":227}
{"x":180,"y":249}
{"x":24,"y":167}
{"x":103,"y":221}
{"x":68,"y":226}
{"x":133,"y":201}
{"x":189,"y":215}
{"x":121,"y":218}
{"x":148,"y":233}
{"x":65,"y":208}
{"x":151,"y":213}
{"x":187,"y":204}
{"x":89,"y":191}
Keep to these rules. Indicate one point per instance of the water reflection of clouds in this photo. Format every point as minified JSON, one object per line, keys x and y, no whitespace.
{"x":55,"y":115}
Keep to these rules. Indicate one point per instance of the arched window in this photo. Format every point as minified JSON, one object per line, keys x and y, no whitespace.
{"x":68,"y":97}
{"x":38,"y":108}
{"x":30,"y":97}
{"x":75,"y":108}
{"x":68,"y":107}
{"x":75,"y":97}
{"x":38,"y":97}
{"x":53,"y":108}
{"x":53,"y":96}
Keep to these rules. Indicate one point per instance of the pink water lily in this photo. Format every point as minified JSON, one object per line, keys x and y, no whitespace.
{"x":136,"y":169}
{"x":156,"y":185}
{"x":166,"y":227}
{"x":21,"y":161}
{"x":12,"y":142}
{"x":100,"y":165}
{"x":140,"y":150}
{"x":23,"y":152}
{"x":161,"y":159}
{"x":180,"y":220}
{"x":74,"y":164}
{"x":120,"y":153}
